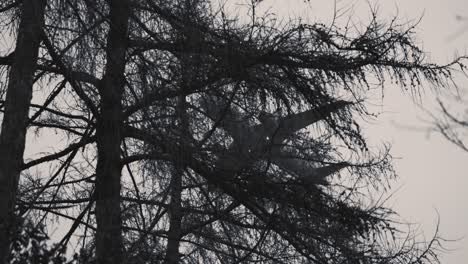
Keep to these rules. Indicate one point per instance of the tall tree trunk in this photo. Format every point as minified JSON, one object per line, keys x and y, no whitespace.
{"x":175,"y":214}
{"x":175,"y":207}
{"x":18,"y":98}
{"x":109,"y":248}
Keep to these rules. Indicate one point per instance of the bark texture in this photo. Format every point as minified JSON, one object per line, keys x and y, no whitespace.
{"x":16,"y":108}
{"x":109,"y":247}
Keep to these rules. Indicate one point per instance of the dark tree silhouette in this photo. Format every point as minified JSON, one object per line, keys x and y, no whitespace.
{"x":15,"y":118}
{"x":108,"y":137}
{"x":194,"y":137}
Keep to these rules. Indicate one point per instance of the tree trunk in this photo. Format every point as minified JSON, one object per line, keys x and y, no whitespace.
{"x":109,"y":248}
{"x":13,"y":133}
{"x":175,"y":207}
{"x":175,"y":214}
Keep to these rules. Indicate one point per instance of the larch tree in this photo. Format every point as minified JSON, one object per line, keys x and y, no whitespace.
{"x":109,"y":247}
{"x":21,"y":78}
{"x":193,"y":137}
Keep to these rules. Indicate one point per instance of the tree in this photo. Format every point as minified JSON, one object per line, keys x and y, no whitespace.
{"x":108,"y":137}
{"x":209,"y":119}
{"x":247,"y":170}
{"x":15,"y":117}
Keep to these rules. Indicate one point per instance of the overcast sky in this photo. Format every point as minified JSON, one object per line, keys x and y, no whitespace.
{"x":432,"y":172}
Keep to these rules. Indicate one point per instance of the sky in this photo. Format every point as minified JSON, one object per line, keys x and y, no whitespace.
{"x":432,"y":172}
